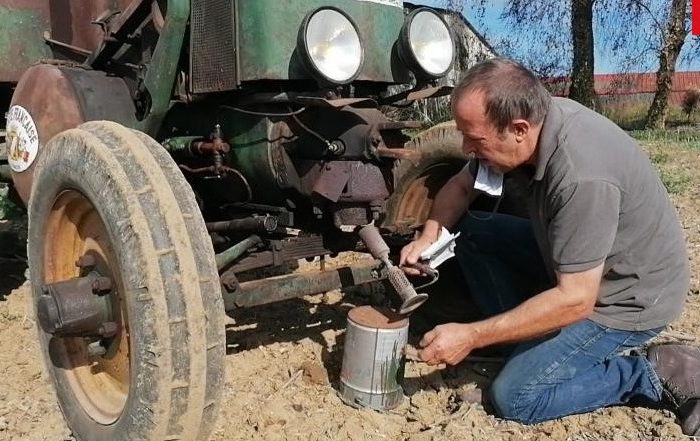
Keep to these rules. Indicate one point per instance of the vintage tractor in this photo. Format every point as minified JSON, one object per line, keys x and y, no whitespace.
{"x":164,"y":148}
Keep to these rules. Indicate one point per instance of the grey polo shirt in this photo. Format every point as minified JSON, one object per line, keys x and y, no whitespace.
{"x":595,"y":197}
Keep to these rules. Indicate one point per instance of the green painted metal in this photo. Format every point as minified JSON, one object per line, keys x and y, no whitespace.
{"x":226,"y":257}
{"x":162,"y":70}
{"x":179,"y":143}
{"x":251,"y":152}
{"x":268,"y":29}
{"x":21,"y":41}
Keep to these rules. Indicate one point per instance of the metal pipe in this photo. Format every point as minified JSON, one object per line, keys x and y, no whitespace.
{"x":255,"y":224}
{"x":274,"y":289}
{"x":180,"y":143}
{"x":226,"y":257}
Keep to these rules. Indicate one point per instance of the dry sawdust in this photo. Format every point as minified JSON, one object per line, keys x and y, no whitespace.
{"x":283,"y":367}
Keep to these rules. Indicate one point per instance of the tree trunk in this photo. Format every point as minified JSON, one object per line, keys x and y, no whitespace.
{"x":676,"y":32}
{"x":582,"y":89}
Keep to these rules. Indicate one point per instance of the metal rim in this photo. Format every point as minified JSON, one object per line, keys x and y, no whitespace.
{"x":415,"y":203}
{"x":100,"y":383}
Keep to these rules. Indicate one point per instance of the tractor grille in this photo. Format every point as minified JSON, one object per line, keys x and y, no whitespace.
{"x":212,"y":46}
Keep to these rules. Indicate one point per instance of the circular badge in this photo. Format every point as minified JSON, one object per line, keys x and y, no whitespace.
{"x":22,"y":139}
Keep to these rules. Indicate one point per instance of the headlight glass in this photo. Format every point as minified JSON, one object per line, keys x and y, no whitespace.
{"x":429,"y":42}
{"x":331,"y":45}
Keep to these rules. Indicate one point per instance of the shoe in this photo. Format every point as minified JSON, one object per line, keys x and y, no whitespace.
{"x":689,"y":414}
{"x":678,"y":368}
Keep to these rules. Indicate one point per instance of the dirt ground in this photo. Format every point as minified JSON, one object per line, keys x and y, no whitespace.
{"x":284,"y":362}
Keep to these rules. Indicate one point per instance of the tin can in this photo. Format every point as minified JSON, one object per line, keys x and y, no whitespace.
{"x":373,"y":358}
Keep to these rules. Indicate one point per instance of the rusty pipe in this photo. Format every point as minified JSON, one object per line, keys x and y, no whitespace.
{"x":256,"y":224}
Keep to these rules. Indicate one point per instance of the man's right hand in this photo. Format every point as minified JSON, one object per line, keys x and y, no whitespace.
{"x":410,"y":254}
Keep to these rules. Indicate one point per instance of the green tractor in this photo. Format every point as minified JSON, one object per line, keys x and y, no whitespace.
{"x":164,"y":148}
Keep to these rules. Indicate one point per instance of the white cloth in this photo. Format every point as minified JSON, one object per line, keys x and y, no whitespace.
{"x":441,"y":250}
{"x":488,"y":180}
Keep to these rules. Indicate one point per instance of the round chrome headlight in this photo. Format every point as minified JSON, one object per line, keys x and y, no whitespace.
{"x":330,"y":45}
{"x":426,"y":45}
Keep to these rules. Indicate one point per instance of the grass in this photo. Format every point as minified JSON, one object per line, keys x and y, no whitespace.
{"x":682,"y":137}
{"x":633,"y":116}
{"x":8,"y":210}
{"x":674,"y":157}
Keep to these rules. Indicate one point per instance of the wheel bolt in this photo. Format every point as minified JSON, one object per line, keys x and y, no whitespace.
{"x":108,"y":329}
{"x":95,"y":349}
{"x":102,"y":285}
{"x":86,"y":261}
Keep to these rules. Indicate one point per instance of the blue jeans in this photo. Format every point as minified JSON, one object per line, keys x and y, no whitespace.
{"x":577,"y":369}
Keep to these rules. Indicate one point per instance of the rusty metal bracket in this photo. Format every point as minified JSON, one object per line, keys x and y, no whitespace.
{"x":417,"y":93}
{"x":75,"y":49}
{"x":274,"y":289}
{"x":119,"y":31}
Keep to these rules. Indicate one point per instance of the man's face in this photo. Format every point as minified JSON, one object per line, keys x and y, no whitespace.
{"x":502,"y":151}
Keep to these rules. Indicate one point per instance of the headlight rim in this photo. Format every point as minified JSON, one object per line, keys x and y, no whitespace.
{"x":305,"y":55}
{"x":409,"y":58}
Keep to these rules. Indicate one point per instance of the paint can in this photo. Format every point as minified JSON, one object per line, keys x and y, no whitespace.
{"x":373,"y":358}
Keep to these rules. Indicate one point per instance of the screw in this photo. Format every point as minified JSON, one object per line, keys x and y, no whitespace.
{"x":108,"y":329}
{"x":102,"y":285}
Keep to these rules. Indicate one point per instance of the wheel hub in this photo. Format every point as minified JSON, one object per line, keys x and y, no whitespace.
{"x":78,"y":307}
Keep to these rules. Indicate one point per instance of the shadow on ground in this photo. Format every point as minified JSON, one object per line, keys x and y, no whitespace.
{"x":13,"y":263}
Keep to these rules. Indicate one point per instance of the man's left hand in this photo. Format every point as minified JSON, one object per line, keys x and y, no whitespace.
{"x":449,"y":343}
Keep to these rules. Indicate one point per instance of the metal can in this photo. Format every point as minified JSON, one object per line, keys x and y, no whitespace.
{"x":373,"y":358}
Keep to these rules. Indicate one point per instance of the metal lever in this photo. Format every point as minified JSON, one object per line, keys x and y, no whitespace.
{"x":410,"y":299}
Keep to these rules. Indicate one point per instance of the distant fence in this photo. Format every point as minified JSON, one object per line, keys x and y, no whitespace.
{"x":631,"y":90}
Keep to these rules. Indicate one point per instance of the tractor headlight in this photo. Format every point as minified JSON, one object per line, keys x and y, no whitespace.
{"x":330,"y":45}
{"x":426,"y":45}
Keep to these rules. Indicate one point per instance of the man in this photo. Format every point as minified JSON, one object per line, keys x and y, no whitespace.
{"x":599,"y":268}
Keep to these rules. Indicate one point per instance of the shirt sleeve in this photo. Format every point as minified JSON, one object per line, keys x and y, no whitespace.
{"x":471,"y":167}
{"x":583,"y":225}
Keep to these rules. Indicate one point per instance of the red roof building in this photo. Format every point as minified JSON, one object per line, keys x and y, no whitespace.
{"x":620,"y":89}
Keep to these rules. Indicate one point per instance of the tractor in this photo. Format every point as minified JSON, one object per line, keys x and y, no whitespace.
{"x":166,"y":148}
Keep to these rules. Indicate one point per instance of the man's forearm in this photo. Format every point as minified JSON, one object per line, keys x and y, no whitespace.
{"x":546,"y":312}
{"x":450,"y":204}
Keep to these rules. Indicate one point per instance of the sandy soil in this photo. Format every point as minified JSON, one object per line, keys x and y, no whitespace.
{"x":284,"y":362}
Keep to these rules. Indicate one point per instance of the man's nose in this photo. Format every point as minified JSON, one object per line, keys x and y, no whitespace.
{"x":467,"y":146}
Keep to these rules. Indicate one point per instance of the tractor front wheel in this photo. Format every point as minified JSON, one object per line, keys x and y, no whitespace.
{"x":125,"y":288}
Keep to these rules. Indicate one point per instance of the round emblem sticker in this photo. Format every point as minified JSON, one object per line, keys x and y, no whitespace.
{"x":22,"y":139}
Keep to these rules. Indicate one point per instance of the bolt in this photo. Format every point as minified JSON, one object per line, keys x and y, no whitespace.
{"x":102,"y":285}
{"x":108,"y":329}
{"x":95,"y":349}
{"x":86,"y":260}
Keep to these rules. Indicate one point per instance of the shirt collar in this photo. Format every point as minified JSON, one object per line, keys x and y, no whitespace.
{"x":548,"y":141}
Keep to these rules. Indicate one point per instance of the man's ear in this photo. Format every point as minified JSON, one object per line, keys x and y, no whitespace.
{"x":520,"y":128}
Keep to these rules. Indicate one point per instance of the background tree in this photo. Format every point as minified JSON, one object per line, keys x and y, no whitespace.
{"x":582,"y":63}
{"x":643,"y":35}
{"x":673,"y":38}
{"x":691,"y":101}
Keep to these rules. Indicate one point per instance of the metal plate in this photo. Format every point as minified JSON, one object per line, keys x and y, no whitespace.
{"x":213,"y":46}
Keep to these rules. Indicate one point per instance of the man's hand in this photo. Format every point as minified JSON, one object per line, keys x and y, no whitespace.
{"x":410,"y":254}
{"x":449,"y":343}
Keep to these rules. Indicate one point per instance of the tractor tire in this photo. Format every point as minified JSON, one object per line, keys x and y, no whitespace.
{"x":417,"y":182}
{"x":111,"y":192}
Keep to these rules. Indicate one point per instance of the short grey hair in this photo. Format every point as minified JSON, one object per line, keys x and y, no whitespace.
{"x":511,"y":91}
